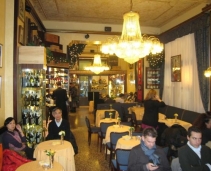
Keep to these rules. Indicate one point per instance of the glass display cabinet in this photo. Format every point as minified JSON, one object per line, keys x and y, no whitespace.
{"x":152,"y":78}
{"x":53,"y":75}
{"x":32,"y":103}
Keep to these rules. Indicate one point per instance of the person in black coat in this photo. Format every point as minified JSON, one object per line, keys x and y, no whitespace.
{"x":59,"y":124}
{"x":206,"y":132}
{"x":152,"y":103}
{"x":60,"y":96}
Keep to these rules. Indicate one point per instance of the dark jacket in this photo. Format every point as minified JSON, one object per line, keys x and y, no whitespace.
{"x":138,"y":160}
{"x":151,"y":110}
{"x":206,"y":136}
{"x":190,"y":161}
{"x":53,"y":133}
{"x":60,"y":95}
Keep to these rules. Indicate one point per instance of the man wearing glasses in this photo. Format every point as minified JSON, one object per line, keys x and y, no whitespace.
{"x":193,"y":156}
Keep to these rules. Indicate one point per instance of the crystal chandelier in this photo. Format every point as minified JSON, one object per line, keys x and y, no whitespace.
{"x":97,"y":66}
{"x":207,"y":73}
{"x":132,"y":45}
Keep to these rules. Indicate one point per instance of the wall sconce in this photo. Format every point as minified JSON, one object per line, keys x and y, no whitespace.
{"x":207,"y":73}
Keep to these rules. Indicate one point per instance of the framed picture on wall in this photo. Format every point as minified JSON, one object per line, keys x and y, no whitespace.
{"x":21,"y":35}
{"x":176,"y":68}
{"x":21,"y":10}
{"x":1,"y":55}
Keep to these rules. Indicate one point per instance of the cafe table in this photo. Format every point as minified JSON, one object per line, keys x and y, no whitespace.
{"x":35,"y":166}
{"x":64,"y":153}
{"x":100,"y":114}
{"x":170,"y":122}
{"x":115,"y":128}
{"x":128,"y":143}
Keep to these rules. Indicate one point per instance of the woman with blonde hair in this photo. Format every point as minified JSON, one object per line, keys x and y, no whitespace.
{"x":152,"y":103}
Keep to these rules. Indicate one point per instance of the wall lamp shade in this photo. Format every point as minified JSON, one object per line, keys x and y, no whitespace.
{"x":132,"y":45}
{"x":97,"y":66}
{"x":207,"y":73}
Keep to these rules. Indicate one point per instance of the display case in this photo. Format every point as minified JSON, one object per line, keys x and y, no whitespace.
{"x":152,"y":78}
{"x":32,"y":103}
{"x":54,"y":75}
{"x":99,"y":84}
{"x":116,"y":85}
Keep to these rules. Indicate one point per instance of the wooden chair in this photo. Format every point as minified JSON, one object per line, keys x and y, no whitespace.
{"x":91,"y":129}
{"x":102,"y":133}
{"x":121,"y":161}
{"x":111,"y":146}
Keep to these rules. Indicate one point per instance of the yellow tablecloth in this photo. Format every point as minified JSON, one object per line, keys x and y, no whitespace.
{"x":35,"y":166}
{"x":127,"y":144}
{"x":139,"y":111}
{"x":170,"y":122}
{"x":100,"y":114}
{"x":110,"y":129}
{"x":64,"y":153}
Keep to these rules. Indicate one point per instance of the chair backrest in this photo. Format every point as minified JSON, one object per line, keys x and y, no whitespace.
{"x":137,"y":134}
{"x":108,"y":112}
{"x":88,"y":123}
{"x":104,"y":126}
{"x":114,"y":136}
{"x":122,"y":156}
{"x":134,"y":120}
{"x":126,"y":123}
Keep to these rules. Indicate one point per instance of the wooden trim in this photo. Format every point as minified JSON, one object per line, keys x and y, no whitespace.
{"x":36,"y":17}
{"x":84,"y":72}
{"x":84,"y":32}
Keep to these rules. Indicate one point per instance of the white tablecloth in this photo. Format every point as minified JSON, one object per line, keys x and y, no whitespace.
{"x":110,"y":129}
{"x":64,"y":153}
{"x":170,"y":122}
{"x":127,"y":144}
{"x":100,"y":114}
{"x":35,"y":166}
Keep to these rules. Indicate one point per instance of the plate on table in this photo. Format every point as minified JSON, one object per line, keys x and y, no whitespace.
{"x":126,"y":137}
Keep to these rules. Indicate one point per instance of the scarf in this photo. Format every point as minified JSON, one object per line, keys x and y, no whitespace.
{"x":150,"y":153}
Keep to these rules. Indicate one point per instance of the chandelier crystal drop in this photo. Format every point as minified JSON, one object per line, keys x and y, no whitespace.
{"x":97,"y":66}
{"x":132,"y":45}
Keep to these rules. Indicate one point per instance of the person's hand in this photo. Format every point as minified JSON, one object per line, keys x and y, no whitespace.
{"x":151,"y":166}
{"x":18,"y":127}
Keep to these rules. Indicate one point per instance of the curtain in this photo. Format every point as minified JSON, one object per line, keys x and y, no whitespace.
{"x":184,"y":94}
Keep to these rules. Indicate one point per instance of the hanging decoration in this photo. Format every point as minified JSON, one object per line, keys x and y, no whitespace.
{"x":73,"y":52}
{"x":155,"y":60}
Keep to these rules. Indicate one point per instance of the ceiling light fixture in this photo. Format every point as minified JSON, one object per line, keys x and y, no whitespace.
{"x":132,"y":46}
{"x":207,"y":73}
{"x":97,"y":66}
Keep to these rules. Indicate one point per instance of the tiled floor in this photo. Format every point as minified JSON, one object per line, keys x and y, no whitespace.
{"x":89,"y":158}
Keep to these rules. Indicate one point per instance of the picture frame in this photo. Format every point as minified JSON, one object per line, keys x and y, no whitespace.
{"x":21,"y":10}
{"x":176,"y":68}
{"x":1,"y":55}
{"x":21,"y":35}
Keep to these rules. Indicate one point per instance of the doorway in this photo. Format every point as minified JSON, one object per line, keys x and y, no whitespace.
{"x":83,"y":90}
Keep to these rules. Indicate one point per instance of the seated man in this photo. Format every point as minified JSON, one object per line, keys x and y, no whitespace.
{"x":58,"y":125}
{"x":193,"y":156}
{"x":120,"y":99}
{"x":148,"y":156}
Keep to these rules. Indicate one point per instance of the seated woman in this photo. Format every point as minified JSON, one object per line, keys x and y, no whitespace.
{"x":14,"y":139}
